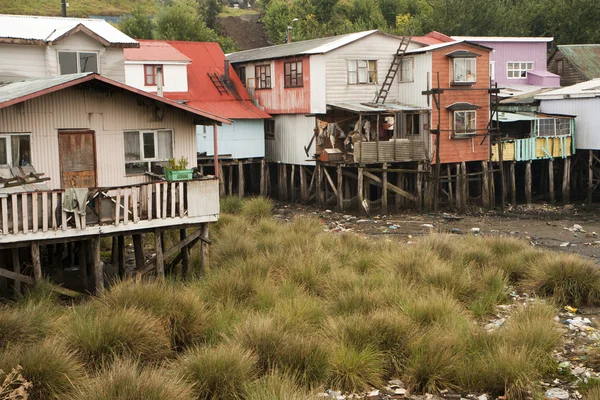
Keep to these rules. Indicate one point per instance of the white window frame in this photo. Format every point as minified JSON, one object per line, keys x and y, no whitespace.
{"x":8,"y":137}
{"x":493,"y":70}
{"x":472,"y":131}
{"x":143,"y":158}
{"x":474,"y":70}
{"x":555,"y":127}
{"x":401,"y":77}
{"x":356,"y":71}
{"x":520,"y":70}
{"x":77,"y":58}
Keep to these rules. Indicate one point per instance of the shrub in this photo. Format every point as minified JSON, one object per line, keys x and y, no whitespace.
{"x":532,"y":327}
{"x":100,"y":336}
{"x":304,"y":357}
{"x":277,"y":386}
{"x":52,"y":369}
{"x":126,"y":380}
{"x":257,"y":208}
{"x":567,"y":278}
{"x":231,"y":204}
{"x":353,"y":369}
{"x":263,"y":336}
{"x":220,"y":372}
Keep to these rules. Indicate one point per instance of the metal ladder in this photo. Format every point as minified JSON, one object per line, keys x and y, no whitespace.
{"x":391,"y":75}
{"x":218,"y":84}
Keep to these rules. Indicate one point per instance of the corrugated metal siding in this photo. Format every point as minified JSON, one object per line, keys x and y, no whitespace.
{"x":292,"y":133}
{"x":586,"y":123}
{"x":108,"y":115}
{"x":242,"y":139}
{"x":18,"y":62}
{"x":411,"y":92}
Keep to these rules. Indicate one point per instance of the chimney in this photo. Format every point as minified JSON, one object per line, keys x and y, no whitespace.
{"x":289,"y":34}
{"x":159,"y":80}
{"x":226,"y":71}
{"x":63,"y":7}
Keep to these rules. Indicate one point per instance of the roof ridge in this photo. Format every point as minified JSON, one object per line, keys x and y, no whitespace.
{"x":53,"y":17}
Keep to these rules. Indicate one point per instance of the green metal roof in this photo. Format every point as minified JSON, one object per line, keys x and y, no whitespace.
{"x":584,"y":57}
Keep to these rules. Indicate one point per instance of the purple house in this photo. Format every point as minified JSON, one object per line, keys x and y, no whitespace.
{"x":517,"y":60}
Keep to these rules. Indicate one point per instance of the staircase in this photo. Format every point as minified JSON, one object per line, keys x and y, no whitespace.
{"x":218,"y":84}
{"x":391,"y":75}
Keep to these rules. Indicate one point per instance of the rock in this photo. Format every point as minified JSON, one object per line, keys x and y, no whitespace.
{"x":483,"y":397}
{"x":396,"y":382}
{"x":374,"y":393}
{"x":456,"y":231}
{"x":557,"y":393}
{"x":475,"y":231}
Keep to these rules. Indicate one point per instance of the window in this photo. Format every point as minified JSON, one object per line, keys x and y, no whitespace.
{"x":493,"y":70}
{"x":150,"y":75}
{"x":241,"y":73}
{"x":554,"y":127}
{"x":263,"y":76}
{"x":465,"y":122}
{"x":560,"y":67}
{"x":292,"y":72}
{"x":72,"y":62}
{"x":412,"y":124}
{"x":465,"y":70}
{"x":518,"y":70}
{"x":406,"y":70}
{"x":15,"y":150}
{"x":269,"y":129}
{"x":146,"y":150}
{"x":362,"y":71}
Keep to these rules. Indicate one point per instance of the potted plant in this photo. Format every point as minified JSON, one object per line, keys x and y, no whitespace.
{"x":177,"y":170}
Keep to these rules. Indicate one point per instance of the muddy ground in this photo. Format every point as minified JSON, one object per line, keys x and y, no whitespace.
{"x":544,"y":225}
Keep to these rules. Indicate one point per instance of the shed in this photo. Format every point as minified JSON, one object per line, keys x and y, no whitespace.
{"x":575,"y":63}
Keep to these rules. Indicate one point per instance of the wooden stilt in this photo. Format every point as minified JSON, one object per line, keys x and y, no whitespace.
{"x":263,"y":180}
{"x":114,"y":250}
{"x":459,"y":192}
{"x":419,"y":187}
{"x":465,"y":183}
{"x":240,"y":179}
{"x":82,"y":257}
{"x":221,"y":180}
{"x":513,"y":183}
{"x":185,"y":254}
{"x":528,"y":182}
{"x":384,"y":189}
{"x":284,"y":181}
{"x":3,"y":280}
{"x":303,"y":191}
{"x":60,"y":267}
{"x":138,"y":249}
{"x":566,"y":186}
{"x":36,"y":262}
{"x":360,"y":190}
{"x":230,"y":180}
{"x":590,"y":188}
{"x":292,"y":190}
{"x":16,"y":264}
{"x":450,"y":195}
{"x":428,"y":190}
{"x":340,"y":187}
{"x":398,"y":199}
{"x":320,"y":194}
{"x":98,"y":267}
{"x":269,"y":186}
{"x":160,"y":262}
{"x":551,"y":180}
{"x":485,"y":185}
{"x":121,"y":258}
{"x":204,"y":264}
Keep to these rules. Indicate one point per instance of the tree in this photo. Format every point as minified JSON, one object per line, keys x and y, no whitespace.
{"x":137,"y":25}
{"x":210,"y":10}
{"x":181,"y":21}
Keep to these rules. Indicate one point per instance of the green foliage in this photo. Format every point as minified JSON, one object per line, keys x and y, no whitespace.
{"x":277,"y":386}
{"x":210,"y":9}
{"x":355,"y":370}
{"x":256,"y":208}
{"x":137,"y":24}
{"x":231,"y":204}
{"x":178,"y":165}
{"x":180,"y":21}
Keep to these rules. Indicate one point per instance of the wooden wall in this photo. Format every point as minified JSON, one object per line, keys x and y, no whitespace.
{"x":570,"y":75}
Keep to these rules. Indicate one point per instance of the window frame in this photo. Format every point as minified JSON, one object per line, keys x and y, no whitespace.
{"x":493,"y":70}
{"x":77,"y":58}
{"x":241,"y":73}
{"x":556,"y":128}
{"x":467,"y":132}
{"x":369,"y":75}
{"x":269,"y":128}
{"x":560,"y":67}
{"x":519,"y":70}
{"x":299,"y":76}
{"x":261,"y":84}
{"x":8,"y":137}
{"x":146,"y":75}
{"x":143,"y":159}
{"x":473,"y":70}
{"x":401,"y":78}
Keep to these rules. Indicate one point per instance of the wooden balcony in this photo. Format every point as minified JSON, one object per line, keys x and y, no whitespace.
{"x":535,"y":148}
{"x":41,"y":215}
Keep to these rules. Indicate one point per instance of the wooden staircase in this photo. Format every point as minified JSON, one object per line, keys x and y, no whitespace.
{"x":218,"y":84}
{"x":393,"y":71}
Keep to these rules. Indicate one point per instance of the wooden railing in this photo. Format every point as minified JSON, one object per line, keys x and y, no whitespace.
{"x":32,"y":212}
{"x":535,"y":148}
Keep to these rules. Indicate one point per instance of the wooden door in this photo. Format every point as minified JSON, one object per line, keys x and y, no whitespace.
{"x":77,"y":151}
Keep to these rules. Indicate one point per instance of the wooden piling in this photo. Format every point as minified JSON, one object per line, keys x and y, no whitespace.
{"x":590,"y":188}
{"x":221,"y":176}
{"x":485,"y":185}
{"x":263,"y":181}
{"x":82,"y":257}
{"x":528,"y":182}
{"x":551,"y":180}
{"x":138,"y":249}
{"x":340,"y":187}
{"x":204,"y":261}
{"x":240,"y":179}
{"x":121,"y":256}
{"x":303,"y":191}
{"x":360,"y":185}
{"x":419,"y":187}
{"x":230,"y":180}
{"x":292,"y":191}
{"x":98,"y":267}
{"x":384,"y":192}
{"x":185,"y":254}
{"x":465,"y":183}
{"x":159,"y":260}
{"x":566,"y":186}
{"x":513,"y":183}
{"x":320,"y":194}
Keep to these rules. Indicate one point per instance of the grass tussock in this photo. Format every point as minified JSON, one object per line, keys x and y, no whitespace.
{"x":257,"y":208}
{"x":278,"y":386}
{"x":353,"y":369}
{"x":231,"y":204}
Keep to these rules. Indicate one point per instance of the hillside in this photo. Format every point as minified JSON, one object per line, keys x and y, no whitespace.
{"x":77,"y":8}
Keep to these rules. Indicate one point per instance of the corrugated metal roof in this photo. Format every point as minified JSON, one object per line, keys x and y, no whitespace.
{"x":314,"y":46}
{"x":16,"y":92}
{"x":154,"y":50}
{"x":445,"y":44}
{"x":42,"y":30}
{"x":504,"y":39}
{"x":376,"y":108}
{"x":515,"y":117}
{"x":584,"y":57}
{"x":202,"y":93}
{"x":581,"y":90}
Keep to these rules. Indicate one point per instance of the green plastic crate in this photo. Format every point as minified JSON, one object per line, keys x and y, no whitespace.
{"x":179,"y":175}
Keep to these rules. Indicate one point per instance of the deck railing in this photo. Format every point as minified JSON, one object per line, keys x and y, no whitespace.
{"x":44,"y":211}
{"x":534,"y":148}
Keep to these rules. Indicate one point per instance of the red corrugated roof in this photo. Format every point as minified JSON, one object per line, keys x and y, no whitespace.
{"x":433,"y":37}
{"x":202,"y":93}
{"x":151,"y":50}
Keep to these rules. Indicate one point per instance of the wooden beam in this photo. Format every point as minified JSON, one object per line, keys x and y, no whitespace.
{"x":16,"y":277}
{"x":98,"y":266}
{"x":292,"y":190}
{"x":320,"y":194}
{"x":419,"y":187}
{"x":566,"y":186}
{"x":360,"y":184}
{"x":263,"y":180}
{"x":159,"y":258}
{"x":335,"y":191}
{"x":303,"y":191}
{"x":485,"y":185}
{"x":384,"y":195}
{"x":121,"y":256}
{"x":513,"y":183}
{"x":391,"y":187}
{"x":36,"y":262}
{"x":241,"y":183}
{"x":138,"y":249}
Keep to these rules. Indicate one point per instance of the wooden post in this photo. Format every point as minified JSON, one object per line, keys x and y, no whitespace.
{"x":485,"y":189}
{"x":138,"y":249}
{"x":465,"y":183}
{"x":82,"y":256}
{"x":399,"y":200}
{"x":3,"y":280}
{"x":263,"y":182}
{"x":60,"y":267}
{"x":160,"y":261}
{"x":114,"y":250}
{"x":360,"y":191}
{"x":240,"y":179}
{"x":204,"y":263}
{"x":384,"y":193}
{"x":284,"y":181}
{"x":528,"y":182}
{"x":230,"y":180}
{"x":566,"y":186}
{"x":340,"y":187}
{"x":320,"y":194}
{"x":292,"y":191}
{"x":221,"y":176}
{"x":185,"y":254}
{"x":459,"y":192}
{"x":449,"y":173}
{"x":303,"y":191}
{"x":551,"y":180}
{"x":121,"y":257}
{"x":513,"y":183}
{"x":590,"y":189}
{"x":419,"y":187}
{"x":98,"y":267}
{"x":36,"y":262}
{"x":16,"y":264}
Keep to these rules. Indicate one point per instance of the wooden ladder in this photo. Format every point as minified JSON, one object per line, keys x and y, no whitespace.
{"x":218,"y":84}
{"x":393,"y":71}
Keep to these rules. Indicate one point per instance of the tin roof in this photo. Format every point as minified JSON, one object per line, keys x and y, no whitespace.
{"x":154,"y":50}
{"x":584,"y":57}
{"x":504,"y":39}
{"x":305,"y":47}
{"x":28,"y":29}
{"x":208,"y":58}
{"x":585,"y":89}
{"x":17,"y":92}
{"x":445,"y":44}
{"x":375,"y":108}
